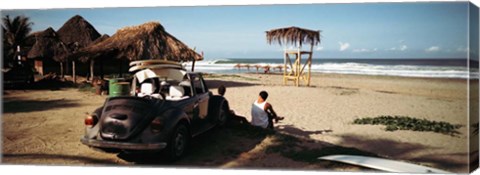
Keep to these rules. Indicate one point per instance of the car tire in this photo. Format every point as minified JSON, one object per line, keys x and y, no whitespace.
{"x":178,"y":143}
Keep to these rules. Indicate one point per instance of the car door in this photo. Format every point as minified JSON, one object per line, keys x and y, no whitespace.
{"x":202,"y":94}
{"x":200,"y":123}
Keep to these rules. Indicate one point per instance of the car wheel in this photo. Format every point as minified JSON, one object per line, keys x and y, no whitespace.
{"x":178,"y":142}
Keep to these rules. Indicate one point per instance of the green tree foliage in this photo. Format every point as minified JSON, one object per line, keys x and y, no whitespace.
{"x":15,"y":32}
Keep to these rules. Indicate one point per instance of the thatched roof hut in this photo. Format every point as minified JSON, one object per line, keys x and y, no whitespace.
{"x":101,"y":38}
{"x":293,"y":35}
{"x":143,"y":42}
{"x":84,"y":57}
{"x":48,"y":45}
{"x":77,"y":33}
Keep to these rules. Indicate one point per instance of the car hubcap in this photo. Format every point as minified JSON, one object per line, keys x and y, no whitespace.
{"x":180,"y":142}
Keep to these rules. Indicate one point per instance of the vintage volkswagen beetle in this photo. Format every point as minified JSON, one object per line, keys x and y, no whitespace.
{"x":166,"y":108}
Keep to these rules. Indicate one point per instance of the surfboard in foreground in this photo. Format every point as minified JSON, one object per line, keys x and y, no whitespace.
{"x":382,"y":164}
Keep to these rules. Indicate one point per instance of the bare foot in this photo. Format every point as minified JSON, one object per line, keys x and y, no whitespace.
{"x":279,"y":118}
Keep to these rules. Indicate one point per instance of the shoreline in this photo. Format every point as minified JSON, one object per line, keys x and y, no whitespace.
{"x":353,"y":75}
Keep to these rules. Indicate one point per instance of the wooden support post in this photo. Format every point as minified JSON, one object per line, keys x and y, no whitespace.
{"x":299,"y":62}
{"x":74,"y":72}
{"x":310,"y":65}
{"x":285,"y":57}
{"x":61,"y":69}
{"x":92,"y":63}
{"x":297,"y":72}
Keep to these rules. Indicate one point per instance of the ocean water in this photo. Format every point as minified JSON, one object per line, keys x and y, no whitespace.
{"x":434,"y":68}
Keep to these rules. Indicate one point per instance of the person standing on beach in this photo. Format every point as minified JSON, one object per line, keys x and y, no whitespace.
{"x":263,"y":113}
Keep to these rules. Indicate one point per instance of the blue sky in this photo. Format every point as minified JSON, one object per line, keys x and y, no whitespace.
{"x":361,"y":30}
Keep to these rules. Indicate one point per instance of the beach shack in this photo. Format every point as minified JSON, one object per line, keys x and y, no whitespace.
{"x":48,"y":52}
{"x":297,"y":37}
{"x":148,"y":41}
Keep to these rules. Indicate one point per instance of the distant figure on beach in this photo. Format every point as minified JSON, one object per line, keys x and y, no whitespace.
{"x":263,"y":113}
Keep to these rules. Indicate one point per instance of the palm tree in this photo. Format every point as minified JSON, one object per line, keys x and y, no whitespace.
{"x":15,"y":31}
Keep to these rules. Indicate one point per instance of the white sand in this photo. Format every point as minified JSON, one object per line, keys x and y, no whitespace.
{"x":47,"y":126}
{"x":326,"y":112}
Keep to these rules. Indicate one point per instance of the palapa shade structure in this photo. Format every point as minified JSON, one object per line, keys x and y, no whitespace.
{"x":298,"y":37}
{"x":293,"y":35}
{"x":47,"y":45}
{"x":144,"y":42}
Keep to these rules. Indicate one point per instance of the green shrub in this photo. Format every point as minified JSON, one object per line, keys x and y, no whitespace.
{"x":86,"y":87}
{"x":394,"y":123}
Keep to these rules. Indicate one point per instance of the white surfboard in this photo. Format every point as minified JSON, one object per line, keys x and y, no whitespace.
{"x":156,"y":66}
{"x":382,"y":164}
{"x":152,"y":62}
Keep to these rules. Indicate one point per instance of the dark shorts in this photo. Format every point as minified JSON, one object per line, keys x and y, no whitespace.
{"x":270,"y":121}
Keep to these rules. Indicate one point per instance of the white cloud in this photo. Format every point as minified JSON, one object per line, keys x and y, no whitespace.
{"x":401,"y":48}
{"x":393,"y":48}
{"x":344,"y":46}
{"x":401,"y":41}
{"x":433,"y":49}
{"x":364,"y":50}
{"x":319,"y":48}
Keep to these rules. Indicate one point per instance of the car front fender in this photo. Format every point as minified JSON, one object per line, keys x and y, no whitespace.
{"x":172,"y":117}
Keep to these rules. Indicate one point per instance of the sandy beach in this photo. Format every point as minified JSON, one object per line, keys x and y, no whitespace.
{"x":326,"y":112}
{"x":44,"y":126}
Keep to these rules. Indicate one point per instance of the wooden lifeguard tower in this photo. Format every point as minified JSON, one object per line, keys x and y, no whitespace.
{"x":297,"y":37}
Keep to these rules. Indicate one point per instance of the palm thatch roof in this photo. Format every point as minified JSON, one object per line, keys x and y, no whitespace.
{"x":77,"y":33}
{"x":143,"y":42}
{"x":48,"y":45}
{"x":85,"y":58}
{"x":293,"y":35}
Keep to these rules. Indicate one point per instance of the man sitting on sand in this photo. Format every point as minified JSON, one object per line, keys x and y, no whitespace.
{"x":233,"y":118}
{"x":263,"y":113}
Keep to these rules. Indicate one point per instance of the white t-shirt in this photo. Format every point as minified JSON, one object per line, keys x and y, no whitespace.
{"x":259,"y":116}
